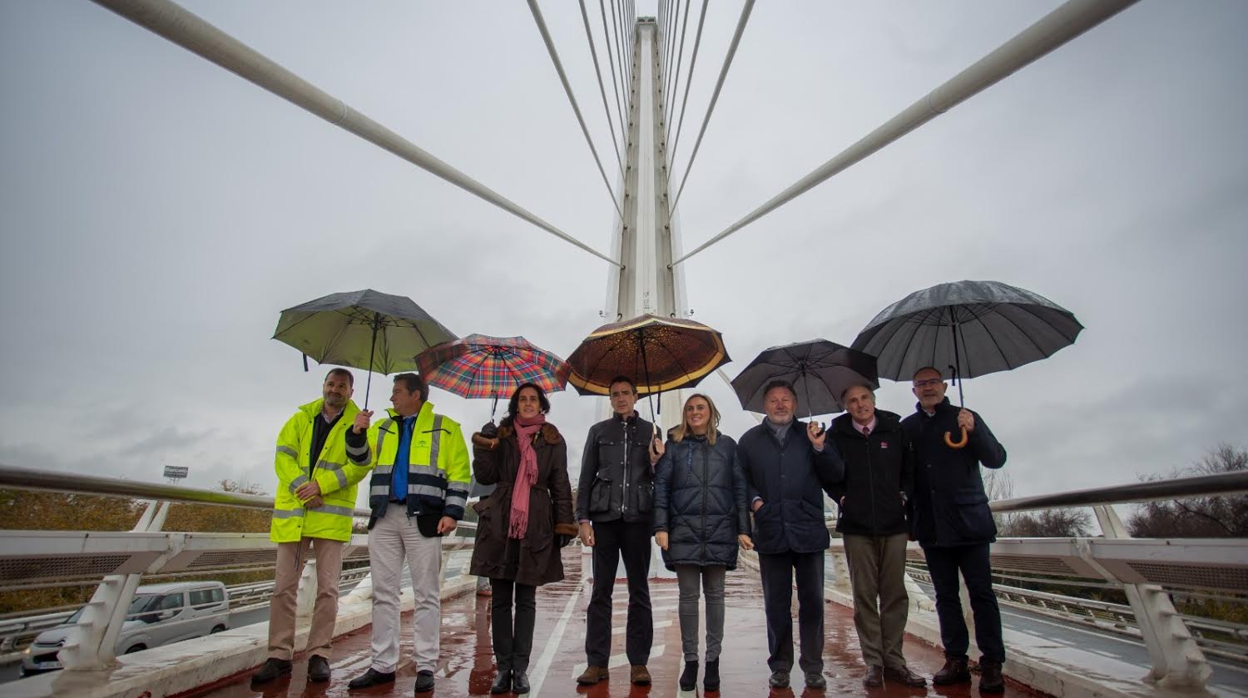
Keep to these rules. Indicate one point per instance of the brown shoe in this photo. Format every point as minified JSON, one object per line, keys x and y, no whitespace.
{"x":954,"y":671}
{"x":872,"y":677}
{"x":592,"y":675}
{"x":904,"y":676}
{"x":639,"y":676}
{"x":990,"y":678}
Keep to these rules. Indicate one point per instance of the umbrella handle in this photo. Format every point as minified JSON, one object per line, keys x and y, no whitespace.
{"x":956,"y":444}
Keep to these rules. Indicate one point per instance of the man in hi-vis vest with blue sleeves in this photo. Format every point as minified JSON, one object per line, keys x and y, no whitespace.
{"x":417,"y":494}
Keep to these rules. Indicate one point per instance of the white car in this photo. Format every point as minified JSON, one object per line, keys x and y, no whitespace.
{"x":160,"y":614}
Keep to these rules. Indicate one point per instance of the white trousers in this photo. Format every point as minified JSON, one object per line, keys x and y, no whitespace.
{"x":393,"y":539}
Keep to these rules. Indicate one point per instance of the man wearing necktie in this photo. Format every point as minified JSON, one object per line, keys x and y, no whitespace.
{"x":872,"y":502}
{"x":417,"y":494}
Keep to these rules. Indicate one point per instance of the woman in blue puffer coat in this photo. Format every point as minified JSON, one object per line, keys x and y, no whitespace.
{"x":700,"y":519}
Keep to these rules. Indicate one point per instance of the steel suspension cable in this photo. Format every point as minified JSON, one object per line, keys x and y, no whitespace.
{"x":625,"y":65}
{"x":710,"y":108}
{"x":606,"y":33}
{"x":671,"y":57}
{"x":1053,"y":30}
{"x":619,"y":53}
{"x":554,"y":57}
{"x":693,"y":61}
{"x":186,"y":29}
{"x":602,"y":90}
{"x":668,"y":112}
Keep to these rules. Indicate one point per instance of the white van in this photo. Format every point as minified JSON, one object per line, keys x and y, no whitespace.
{"x":160,"y":614}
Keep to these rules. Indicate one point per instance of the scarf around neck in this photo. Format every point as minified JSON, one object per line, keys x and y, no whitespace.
{"x":526,"y":475}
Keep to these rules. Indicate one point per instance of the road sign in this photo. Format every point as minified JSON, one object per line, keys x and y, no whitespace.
{"x":176,"y":471}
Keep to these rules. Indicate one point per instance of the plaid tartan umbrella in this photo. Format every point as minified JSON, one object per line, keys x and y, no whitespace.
{"x":479,"y":366}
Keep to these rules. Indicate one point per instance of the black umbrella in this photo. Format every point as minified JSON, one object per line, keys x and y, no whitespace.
{"x":819,"y":371}
{"x":363,"y":329}
{"x":972,"y":327}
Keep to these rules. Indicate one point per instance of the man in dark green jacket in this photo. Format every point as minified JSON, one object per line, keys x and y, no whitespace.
{"x":954,"y":525}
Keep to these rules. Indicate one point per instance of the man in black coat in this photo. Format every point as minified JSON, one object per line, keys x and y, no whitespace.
{"x":614,"y":497}
{"x":954,"y":525}
{"x":879,"y":478}
{"x":786,"y":462}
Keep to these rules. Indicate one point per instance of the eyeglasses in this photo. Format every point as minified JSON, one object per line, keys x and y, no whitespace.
{"x":929,"y":381}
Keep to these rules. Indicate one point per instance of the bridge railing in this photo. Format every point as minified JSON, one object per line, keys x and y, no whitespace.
{"x":117,"y":561}
{"x":1149,"y":571}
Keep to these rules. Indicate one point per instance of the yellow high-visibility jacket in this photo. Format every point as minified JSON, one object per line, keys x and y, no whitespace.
{"x":336,"y":469}
{"x":438,"y":471}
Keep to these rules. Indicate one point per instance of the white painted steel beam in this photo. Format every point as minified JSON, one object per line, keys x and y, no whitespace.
{"x":1055,"y":29}
{"x":191,"y":32}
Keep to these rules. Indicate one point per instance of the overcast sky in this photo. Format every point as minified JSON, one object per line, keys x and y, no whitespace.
{"x":157,"y":213}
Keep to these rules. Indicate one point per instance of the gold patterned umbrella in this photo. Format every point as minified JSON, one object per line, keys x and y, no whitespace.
{"x":656,"y":353}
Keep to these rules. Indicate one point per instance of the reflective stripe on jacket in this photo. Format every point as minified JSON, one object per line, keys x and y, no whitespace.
{"x":335,"y":469}
{"x":438,"y":472}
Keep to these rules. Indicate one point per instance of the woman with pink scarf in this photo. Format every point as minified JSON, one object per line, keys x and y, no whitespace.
{"x":522,"y":526}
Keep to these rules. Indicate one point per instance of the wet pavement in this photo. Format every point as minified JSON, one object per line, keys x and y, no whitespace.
{"x":466,"y":666}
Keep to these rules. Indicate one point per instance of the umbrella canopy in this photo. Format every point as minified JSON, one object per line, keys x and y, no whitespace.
{"x":479,"y":366}
{"x":978,"y":327}
{"x":657,"y":353}
{"x":819,"y":371}
{"x":362,"y":329}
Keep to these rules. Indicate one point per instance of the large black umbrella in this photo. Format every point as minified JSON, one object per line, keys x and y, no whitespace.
{"x":972,"y":327}
{"x":363,"y":329}
{"x":819,"y":371}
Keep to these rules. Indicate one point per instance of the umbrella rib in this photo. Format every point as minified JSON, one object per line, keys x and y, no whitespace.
{"x":1023,"y":333}
{"x":298,"y":322}
{"x":1027,"y":308}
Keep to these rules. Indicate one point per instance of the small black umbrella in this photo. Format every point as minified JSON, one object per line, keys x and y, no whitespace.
{"x":972,"y":327}
{"x":363,"y":329}
{"x":819,"y":371}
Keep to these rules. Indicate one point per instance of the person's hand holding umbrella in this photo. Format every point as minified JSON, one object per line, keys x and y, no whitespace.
{"x":817,"y":435}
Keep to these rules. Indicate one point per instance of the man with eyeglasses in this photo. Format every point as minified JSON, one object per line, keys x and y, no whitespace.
{"x":953,"y":523}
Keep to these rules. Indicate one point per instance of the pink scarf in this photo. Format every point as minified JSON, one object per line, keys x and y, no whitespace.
{"x":526,"y":475}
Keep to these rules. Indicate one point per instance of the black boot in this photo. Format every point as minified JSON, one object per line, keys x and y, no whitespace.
{"x":954,"y":671}
{"x":519,"y":682}
{"x":990,"y":678}
{"x":689,"y":677}
{"x":710,"y":681}
{"x":272,"y":669}
{"x":502,"y":682}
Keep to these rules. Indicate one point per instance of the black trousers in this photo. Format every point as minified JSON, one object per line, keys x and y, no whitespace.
{"x":778,"y":573}
{"x":613,"y":540}
{"x":973,"y":562}
{"x":513,"y":643}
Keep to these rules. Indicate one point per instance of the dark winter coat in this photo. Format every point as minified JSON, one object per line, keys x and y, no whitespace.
{"x":788,"y":479}
{"x":699,"y":499}
{"x":949,"y":504}
{"x":550,"y":507}
{"x":616,"y":480}
{"x":878,"y":469}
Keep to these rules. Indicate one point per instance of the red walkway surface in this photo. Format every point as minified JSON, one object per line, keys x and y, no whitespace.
{"x":466,"y":667}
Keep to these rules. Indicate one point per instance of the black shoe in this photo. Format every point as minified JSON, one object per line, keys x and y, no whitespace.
{"x":990,"y":678}
{"x":689,"y":677}
{"x":779,"y":679}
{"x":954,"y":671}
{"x":318,"y":669}
{"x":272,"y":669}
{"x":710,"y":681}
{"x":424,"y":681}
{"x":815,"y":680}
{"x":372,"y":677}
{"x":904,"y":676}
{"x":519,"y":683}
{"x":502,"y":682}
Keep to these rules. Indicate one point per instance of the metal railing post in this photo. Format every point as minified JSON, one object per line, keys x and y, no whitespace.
{"x":91,"y":644}
{"x":305,"y":596}
{"x":1178,"y":661}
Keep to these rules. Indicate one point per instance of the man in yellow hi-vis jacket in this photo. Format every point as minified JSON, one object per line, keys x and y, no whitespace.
{"x":417,"y":494}
{"x":322,"y":452}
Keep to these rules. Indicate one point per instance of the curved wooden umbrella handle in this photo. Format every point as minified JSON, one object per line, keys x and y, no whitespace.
{"x":956,"y":444}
